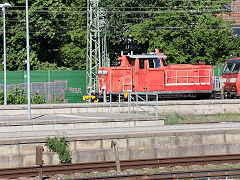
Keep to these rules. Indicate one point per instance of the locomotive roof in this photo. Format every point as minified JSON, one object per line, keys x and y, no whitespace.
{"x":146,"y":56}
{"x":234,"y":60}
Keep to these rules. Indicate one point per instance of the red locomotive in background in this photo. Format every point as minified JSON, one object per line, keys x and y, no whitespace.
{"x":231,"y":78}
{"x":149,"y":73}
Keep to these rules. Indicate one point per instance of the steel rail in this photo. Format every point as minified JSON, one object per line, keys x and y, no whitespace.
{"x":202,"y":174}
{"x":104,"y":166}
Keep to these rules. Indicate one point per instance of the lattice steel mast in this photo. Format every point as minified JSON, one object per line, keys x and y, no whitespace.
{"x":96,"y":44}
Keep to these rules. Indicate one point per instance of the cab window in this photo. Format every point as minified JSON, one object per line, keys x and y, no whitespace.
{"x":228,"y":68}
{"x":235,"y":68}
{"x":154,"y":63}
{"x":157,"y":63}
{"x":141,"y":63}
{"x":132,"y":62}
{"x":150,"y":63}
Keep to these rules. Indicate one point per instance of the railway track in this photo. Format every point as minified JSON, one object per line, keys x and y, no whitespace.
{"x":105,"y":166}
{"x":204,"y":174}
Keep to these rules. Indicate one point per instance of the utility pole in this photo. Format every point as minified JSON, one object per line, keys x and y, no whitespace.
{"x":3,"y":6}
{"x":28,"y":62}
{"x":96,"y":44}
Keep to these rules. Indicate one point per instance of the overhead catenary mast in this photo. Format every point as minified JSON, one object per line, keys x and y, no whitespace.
{"x":96,"y":44}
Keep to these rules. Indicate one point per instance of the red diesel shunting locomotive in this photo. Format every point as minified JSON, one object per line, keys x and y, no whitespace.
{"x":148,"y":73}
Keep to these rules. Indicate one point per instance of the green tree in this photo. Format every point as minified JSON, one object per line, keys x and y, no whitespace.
{"x":188,"y":32}
{"x":57,"y":30}
{"x":19,"y":96}
{"x":120,"y":14}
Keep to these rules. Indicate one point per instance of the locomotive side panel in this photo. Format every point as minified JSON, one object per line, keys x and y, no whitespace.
{"x":195,"y":78}
{"x":139,"y":75}
{"x":155,"y":75}
{"x":155,"y":80}
{"x":148,"y":75}
{"x":115,"y":79}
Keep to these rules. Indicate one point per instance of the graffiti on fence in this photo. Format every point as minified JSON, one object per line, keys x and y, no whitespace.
{"x":49,"y":90}
{"x":75,"y":90}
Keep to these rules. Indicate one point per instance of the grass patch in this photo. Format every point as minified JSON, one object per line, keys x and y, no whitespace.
{"x":176,"y":118}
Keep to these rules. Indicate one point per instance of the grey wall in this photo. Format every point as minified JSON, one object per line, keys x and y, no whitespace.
{"x":182,"y":107}
{"x":146,"y":145}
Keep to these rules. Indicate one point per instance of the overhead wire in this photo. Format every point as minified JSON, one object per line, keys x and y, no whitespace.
{"x":67,"y":29}
{"x":121,"y":12}
{"x":145,"y":30}
{"x":144,"y":12}
{"x":76,"y":20}
{"x":76,"y":11}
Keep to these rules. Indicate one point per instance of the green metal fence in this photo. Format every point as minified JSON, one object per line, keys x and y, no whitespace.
{"x":217,"y":71}
{"x":68,"y":86}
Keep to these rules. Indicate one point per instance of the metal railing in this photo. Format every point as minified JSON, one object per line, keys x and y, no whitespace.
{"x":101,"y":84}
{"x":139,"y":100}
{"x":218,"y":87}
{"x":189,"y":74}
{"x":125,"y":81}
{"x":217,"y":83}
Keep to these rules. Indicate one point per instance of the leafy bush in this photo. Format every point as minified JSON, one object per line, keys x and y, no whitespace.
{"x":37,"y":99}
{"x":16,"y":96}
{"x":56,"y":100}
{"x":49,"y":66}
{"x":1,"y":97}
{"x":60,"y":146}
{"x":19,"y":96}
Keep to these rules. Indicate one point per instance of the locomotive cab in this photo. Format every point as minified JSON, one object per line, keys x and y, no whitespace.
{"x":143,"y":67}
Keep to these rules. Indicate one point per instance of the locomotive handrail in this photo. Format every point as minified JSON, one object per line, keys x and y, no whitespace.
{"x":187,"y":76}
{"x":122,"y":79}
{"x":100,"y":86}
{"x":217,"y":82}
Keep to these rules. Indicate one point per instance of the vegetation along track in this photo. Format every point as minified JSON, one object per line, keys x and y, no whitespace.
{"x":203,"y":174}
{"x":104,"y":166}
